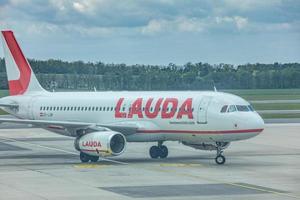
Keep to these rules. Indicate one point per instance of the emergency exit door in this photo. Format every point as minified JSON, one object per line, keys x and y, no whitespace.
{"x":202,"y":109}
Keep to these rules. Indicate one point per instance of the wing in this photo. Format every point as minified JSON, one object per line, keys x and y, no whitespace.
{"x":73,"y":127}
{"x":5,"y":105}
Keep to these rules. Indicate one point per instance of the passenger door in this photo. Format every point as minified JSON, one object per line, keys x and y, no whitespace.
{"x":202,"y":109}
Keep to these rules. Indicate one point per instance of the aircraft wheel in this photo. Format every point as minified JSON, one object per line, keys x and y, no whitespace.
{"x":84,"y":157}
{"x":154,"y":152}
{"x":94,"y":158}
{"x":163,"y":151}
{"x":220,"y":159}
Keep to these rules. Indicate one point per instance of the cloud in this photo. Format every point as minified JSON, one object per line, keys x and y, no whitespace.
{"x":152,"y":16}
{"x":129,"y":22}
{"x":180,"y":24}
{"x":155,"y":26}
{"x":246,"y":5}
{"x":184,"y":24}
{"x":239,"y":21}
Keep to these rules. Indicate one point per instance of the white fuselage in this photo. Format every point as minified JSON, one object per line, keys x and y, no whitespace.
{"x":179,"y":116}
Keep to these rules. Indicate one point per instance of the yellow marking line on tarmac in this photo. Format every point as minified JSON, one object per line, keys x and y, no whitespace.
{"x":243,"y":186}
{"x":228,"y":183}
{"x":57,"y":149}
{"x":160,"y":170}
{"x":89,"y":166}
{"x":180,"y":165}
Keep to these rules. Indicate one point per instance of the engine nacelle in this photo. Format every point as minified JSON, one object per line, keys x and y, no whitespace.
{"x":207,"y":146}
{"x":106,"y":143}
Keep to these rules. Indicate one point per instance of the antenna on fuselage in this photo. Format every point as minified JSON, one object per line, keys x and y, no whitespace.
{"x":215,"y":88}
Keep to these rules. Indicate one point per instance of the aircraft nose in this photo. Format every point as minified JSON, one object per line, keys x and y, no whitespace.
{"x":259,"y":122}
{"x":256,"y":122}
{"x":252,"y":121}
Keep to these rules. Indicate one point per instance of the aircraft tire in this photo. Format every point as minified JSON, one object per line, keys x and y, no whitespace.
{"x":220,"y":159}
{"x":154,"y":152}
{"x":94,"y":158}
{"x":163,"y":151}
{"x":84,"y":157}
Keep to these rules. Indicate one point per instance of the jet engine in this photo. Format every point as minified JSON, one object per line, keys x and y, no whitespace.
{"x":105,"y":143}
{"x":207,"y":146}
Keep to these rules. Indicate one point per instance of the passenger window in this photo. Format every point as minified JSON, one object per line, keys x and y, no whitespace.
{"x":123,"y":108}
{"x":103,"y":108}
{"x":224,"y":109}
{"x":231,"y":108}
{"x":54,"y":108}
{"x":96,"y":108}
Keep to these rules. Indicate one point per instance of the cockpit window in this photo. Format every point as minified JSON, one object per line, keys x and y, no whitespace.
{"x":231,"y":108}
{"x":251,"y":108}
{"x":224,"y":109}
{"x":242,"y":108}
{"x":235,"y":108}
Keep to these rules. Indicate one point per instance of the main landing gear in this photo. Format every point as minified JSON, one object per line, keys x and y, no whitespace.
{"x":86,"y":158}
{"x":220,"y":159}
{"x":159,"y":151}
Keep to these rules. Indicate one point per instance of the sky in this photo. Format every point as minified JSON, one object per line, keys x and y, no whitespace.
{"x":156,"y":32}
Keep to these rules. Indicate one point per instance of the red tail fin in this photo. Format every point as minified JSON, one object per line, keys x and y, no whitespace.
{"x":21,"y":78}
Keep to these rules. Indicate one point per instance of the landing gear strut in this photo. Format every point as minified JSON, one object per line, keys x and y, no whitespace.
{"x":86,"y":158}
{"x":220,"y":159}
{"x":159,"y":151}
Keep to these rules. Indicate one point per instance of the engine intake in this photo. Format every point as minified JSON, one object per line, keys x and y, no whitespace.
{"x":105,"y":143}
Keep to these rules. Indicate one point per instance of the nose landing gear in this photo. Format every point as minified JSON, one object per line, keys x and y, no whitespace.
{"x":220,"y":159}
{"x":159,"y":151}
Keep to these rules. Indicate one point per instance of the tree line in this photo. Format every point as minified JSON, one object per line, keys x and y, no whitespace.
{"x":57,"y":74}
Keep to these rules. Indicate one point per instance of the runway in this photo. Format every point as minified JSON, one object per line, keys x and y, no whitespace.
{"x":37,"y":164}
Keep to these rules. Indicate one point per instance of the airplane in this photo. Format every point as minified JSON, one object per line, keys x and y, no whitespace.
{"x":102,"y":123}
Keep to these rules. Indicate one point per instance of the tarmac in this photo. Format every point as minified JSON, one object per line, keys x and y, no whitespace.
{"x":37,"y":164}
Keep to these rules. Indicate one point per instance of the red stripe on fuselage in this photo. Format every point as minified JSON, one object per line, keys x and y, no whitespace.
{"x":17,"y":86}
{"x":202,"y":132}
